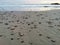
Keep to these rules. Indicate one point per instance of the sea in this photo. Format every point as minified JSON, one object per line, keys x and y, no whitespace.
{"x":28,"y":7}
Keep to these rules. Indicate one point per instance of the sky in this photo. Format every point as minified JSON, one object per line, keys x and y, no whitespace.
{"x":41,"y":1}
{"x":27,"y":1}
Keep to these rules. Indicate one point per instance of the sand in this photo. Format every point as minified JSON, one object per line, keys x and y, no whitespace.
{"x":30,"y":27}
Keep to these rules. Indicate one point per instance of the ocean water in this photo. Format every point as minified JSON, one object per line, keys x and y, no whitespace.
{"x":27,"y":7}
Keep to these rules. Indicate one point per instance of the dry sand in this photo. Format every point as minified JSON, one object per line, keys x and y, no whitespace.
{"x":30,"y":27}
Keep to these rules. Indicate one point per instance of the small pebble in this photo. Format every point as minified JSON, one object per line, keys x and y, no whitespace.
{"x":12,"y":21}
{"x":26,"y":17}
{"x":1,"y":35}
{"x":29,"y":30}
{"x":15,"y":26}
{"x":8,"y":27}
{"x":18,"y":38}
{"x":56,"y":18}
{"x":12,"y":34}
{"x":58,"y":25}
{"x":12,"y":38}
{"x":54,"y":25}
{"x":22,"y":41}
{"x":51,"y":26}
{"x":30,"y":43}
{"x":53,"y":41}
{"x":41,"y":14}
{"x":40,"y":34}
{"x":1,"y":22}
{"x":31,"y":27}
{"x":48,"y":37}
{"x":42,"y":17}
{"x":49,"y":22}
{"x":58,"y":29}
{"x":28,"y":24}
{"x":20,"y":34}
{"x":12,"y":29}
{"x":17,"y":20}
{"x":35,"y":26}
{"x":32,"y":22}
{"x":39,"y":22}
{"x":9,"y":21}
{"x":6,"y":23}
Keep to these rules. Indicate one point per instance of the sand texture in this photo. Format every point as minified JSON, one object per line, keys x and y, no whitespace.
{"x":30,"y":27}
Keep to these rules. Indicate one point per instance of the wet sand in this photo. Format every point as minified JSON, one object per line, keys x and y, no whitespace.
{"x":30,"y":27}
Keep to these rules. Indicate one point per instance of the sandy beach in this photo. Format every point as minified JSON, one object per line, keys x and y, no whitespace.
{"x":30,"y":27}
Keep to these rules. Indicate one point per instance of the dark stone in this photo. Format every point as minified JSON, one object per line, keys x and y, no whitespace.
{"x":31,"y":27}
{"x":18,"y":38}
{"x":1,"y":22}
{"x":54,"y":25}
{"x":22,"y":41}
{"x":53,"y":41}
{"x":12,"y":21}
{"x":15,"y":26}
{"x":12,"y":29}
{"x":51,"y":26}
{"x":56,"y":18}
{"x":8,"y":27}
{"x":49,"y":22}
{"x":39,"y":22}
{"x":32,"y":22}
{"x":40,"y":34}
{"x":6,"y":23}
{"x":17,"y":20}
{"x":30,"y":43}
{"x":9,"y":21}
{"x":42,"y":17}
{"x":12,"y":38}
{"x":26,"y":17}
{"x":29,"y":30}
{"x":12,"y":34}
{"x":20,"y":34}
{"x":1,"y":35}
{"x":58,"y":29}
{"x":35,"y":27}
{"x":41,"y":14}
{"x":28,"y":24}
{"x":58,"y":25}
{"x":48,"y":37}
